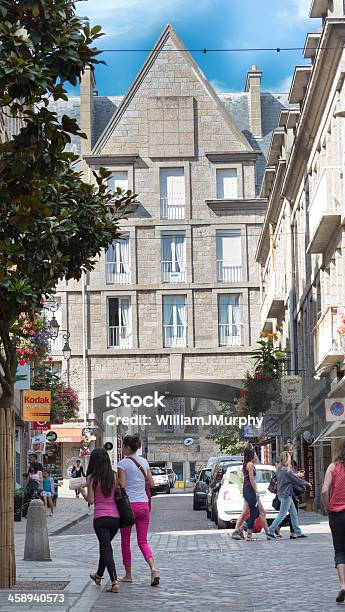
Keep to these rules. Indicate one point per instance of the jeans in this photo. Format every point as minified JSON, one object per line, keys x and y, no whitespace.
{"x":106,"y":528}
{"x":251,"y":499}
{"x":286,"y":506}
{"x":337,"y":526}
{"x":142,"y":518}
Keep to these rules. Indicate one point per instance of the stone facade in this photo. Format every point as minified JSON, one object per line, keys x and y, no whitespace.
{"x":302,"y":244}
{"x":170,"y":121}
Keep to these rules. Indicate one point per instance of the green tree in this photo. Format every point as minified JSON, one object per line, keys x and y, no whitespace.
{"x":52,"y":224}
{"x":228,"y":437}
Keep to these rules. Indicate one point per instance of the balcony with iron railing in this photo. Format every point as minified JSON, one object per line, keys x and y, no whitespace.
{"x":170,"y":274}
{"x":328,"y":350}
{"x":116,"y":274}
{"x":229,"y":273}
{"x":119,"y":336}
{"x":175,"y":336}
{"x":230,"y":335}
{"x":326,"y":208}
{"x":172,"y":208}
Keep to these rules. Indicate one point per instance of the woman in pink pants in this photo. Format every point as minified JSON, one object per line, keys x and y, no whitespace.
{"x":133,"y":473}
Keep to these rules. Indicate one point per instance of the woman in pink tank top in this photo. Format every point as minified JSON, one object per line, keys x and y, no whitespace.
{"x":106,"y":521}
{"x":333,"y":496}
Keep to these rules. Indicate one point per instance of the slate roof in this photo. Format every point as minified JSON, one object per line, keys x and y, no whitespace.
{"x":235,"y":103}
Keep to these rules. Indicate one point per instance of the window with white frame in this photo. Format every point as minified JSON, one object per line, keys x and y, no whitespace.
{"x":172,"y":193}
{"x":229,"y":256}
{"x":227,"y":183}
{"x":118,"y":178}
{"x":117,"y":262}
{"x":173,"y":257}
{"x":230,"y":328}
{"x":119,"y":323}
{"x":174,"y":321}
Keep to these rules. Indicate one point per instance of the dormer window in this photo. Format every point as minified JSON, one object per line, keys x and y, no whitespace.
{"x":227,"y":183}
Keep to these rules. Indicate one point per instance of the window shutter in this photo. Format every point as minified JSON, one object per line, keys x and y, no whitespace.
{"x":227,"y":183}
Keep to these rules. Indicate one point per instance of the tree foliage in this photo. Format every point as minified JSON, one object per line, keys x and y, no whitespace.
{"x":52,"y":223}
{"x":228,"y":437}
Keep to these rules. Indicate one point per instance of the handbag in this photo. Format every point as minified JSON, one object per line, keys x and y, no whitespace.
{"x":273,"y":486}
{"x":77,"y":483}
{"x":276,"y":503}
{"x":123,"y":505}
{"x":150,"y":491}
{"x":258,"y":524}
{"x":298,"y":489}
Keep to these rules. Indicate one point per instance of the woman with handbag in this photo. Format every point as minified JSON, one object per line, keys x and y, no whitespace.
{"x":287,"y":482}
{"x":250,"y":491}
{"x":134,"y":474}
{"x":333,"y":497}
{"x":101,"y":485}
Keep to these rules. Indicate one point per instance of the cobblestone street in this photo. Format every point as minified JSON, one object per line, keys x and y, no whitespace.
{"x":199,"y":565}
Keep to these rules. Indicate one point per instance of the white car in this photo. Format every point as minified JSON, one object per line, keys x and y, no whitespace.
{"x":230,"y":499}
{"x":161,"y":479}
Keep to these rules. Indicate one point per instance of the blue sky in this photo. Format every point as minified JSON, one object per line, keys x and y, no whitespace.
{"x":203,"y":24}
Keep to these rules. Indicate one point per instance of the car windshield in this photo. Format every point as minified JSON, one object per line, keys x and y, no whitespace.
{"x":157,"y":471}
{"x":204,"y":474}
{"x":235,"y":476}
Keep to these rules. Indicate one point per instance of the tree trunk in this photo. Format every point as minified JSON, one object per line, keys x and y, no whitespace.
{"x":7,"y":552}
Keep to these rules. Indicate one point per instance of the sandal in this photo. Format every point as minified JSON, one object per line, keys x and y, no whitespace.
{"x":115,"y":587}
{"x":96,"y":578}
{"x":155,"y":581}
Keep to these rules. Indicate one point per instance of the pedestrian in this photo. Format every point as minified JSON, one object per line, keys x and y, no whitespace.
{"x":34,"y":459}
{"x":237,"y":534}
{"x":286,"y":481}
{"x":77,"y":472}
{"x":101,"y":483}
{"x":250,"y":492}
{"x":47,"y":491}
{"x":134,"y":474}
{"x":295,"y":498}
{"x":333,"y":497}
{"x":33,"y":486}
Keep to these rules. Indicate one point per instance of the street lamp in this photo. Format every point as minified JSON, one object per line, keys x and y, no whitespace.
{"x":66,"y":351}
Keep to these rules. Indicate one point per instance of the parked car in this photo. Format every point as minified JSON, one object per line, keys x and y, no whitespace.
{"x":172,"y":477}
{"x":213,"y":460}
{"x":214,"y":483}
{"x":229,"y":500}
{"x":160,"y":478}
{"x":200,"y":489}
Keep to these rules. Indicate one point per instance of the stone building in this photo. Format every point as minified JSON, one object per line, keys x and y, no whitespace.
{"x":302,"y":244}
{"x":176,"y":300}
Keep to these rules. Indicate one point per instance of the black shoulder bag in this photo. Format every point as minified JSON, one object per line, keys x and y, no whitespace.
{"x":123,"y":505}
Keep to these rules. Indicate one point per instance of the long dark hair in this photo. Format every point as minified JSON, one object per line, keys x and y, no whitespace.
{"x":340,"y":456}
{"x":248,"y":454}
{"x":100,"y":470}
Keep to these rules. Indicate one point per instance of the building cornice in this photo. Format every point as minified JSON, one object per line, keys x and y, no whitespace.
{"x":321,"y":79}
{"x":225,"y":156}
{"x":109,"y":160}
{"x":272,"y":213}
{"x":240,"y":205}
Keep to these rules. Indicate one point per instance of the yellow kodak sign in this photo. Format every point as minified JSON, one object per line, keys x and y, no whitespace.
{"x":36,"y":405}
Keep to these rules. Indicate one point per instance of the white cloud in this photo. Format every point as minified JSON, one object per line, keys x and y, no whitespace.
{"x":295,"y":12}
{"x":133,"y":18}
{"x":220,"y":86}
{"x":283,"y":86}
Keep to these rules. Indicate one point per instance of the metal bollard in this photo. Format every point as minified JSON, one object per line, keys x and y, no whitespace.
{"x":36,"y":535}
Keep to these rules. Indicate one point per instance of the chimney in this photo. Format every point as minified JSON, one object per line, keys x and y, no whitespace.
{"x":87,"y":85}
{"x":253,"y":83}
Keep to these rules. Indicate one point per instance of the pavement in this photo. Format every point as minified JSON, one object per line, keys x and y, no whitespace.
{"x":199,"y":565}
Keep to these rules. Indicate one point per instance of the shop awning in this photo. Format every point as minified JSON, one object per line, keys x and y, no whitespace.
{"x":332,"y":431}
{"x":67,"y":434}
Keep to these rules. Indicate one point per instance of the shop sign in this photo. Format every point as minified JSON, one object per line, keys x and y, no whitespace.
{"x":309,"y":474}
{"x":51,"y":436}
{"x":36,"y":405}
{"x":334,"y":410}
{"x":119,"y":448}
{"x":291,"y":389}
{"x":38,"y":444}
{"x":35,"y":425}
{"x":303,"y":410}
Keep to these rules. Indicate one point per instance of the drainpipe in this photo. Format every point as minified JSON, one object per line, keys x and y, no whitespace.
{"x":84,"y":326}
{"x":291,"y":304}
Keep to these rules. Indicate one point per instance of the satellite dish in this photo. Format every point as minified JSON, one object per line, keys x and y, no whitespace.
{"x":188,"y":441}
{"x":307,"y":436}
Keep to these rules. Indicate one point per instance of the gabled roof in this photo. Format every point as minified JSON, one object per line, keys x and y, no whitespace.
{"x":168,"y":33}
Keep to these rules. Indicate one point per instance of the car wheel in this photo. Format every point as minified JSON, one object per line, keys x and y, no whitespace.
{"x":196,"y":504}
{"x":222,"y":524}
{"x":208,"y":513}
